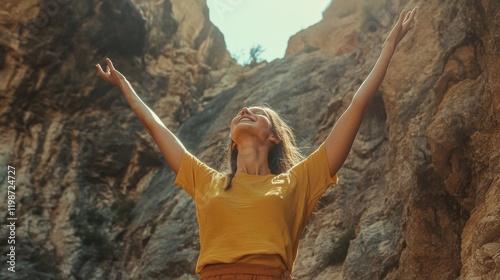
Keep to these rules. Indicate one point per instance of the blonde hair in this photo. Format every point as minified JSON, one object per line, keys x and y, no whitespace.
{"x":281,"y":157}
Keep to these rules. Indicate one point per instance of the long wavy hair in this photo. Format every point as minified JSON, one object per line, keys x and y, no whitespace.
{"x":280,"y":158}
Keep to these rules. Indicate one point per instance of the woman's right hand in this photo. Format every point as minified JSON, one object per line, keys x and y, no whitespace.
{"x":111,"y":75}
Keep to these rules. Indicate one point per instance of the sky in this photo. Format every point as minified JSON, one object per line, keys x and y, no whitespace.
{"x":269,"y":23}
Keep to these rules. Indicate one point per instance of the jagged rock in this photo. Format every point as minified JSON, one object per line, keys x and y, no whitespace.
{"x":95,"y":199}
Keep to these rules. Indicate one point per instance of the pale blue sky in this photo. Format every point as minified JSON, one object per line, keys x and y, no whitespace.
{"x":270,"y":23}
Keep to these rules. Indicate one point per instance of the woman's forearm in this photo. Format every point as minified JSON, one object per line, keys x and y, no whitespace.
{"x":170,"y":146}
{"x":369,"y":87}
{"x":340,"y":140}
{"x":143,"y":112}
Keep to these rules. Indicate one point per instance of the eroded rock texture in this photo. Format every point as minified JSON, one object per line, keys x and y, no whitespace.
{"x":95,"y":200}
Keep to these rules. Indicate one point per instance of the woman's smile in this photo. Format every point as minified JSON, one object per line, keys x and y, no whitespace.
{"x":245,"y":119}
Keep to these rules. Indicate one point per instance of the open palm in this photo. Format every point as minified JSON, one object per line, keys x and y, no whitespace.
{"x":111,"y":75}
{"x":402,"y":26}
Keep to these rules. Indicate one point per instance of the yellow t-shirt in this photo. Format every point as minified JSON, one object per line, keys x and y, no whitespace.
{"x":260,"y":219}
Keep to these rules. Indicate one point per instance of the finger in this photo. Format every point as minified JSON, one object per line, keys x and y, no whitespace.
{"x":399,"y":23}
{"x":99,"y":69}
{"x":413,"y":12}
{"x":401,"y":15}
{"x":110,"y":63}
{"x":410,"y":15}
{"x":407,"y":16}
{"x":107,"y":69}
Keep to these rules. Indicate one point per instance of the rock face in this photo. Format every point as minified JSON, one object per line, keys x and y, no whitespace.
{"x":95,"y":200}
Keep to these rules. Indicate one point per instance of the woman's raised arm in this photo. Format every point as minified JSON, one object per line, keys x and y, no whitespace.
{"x":170,"y":146}
{"x":339,"y":141}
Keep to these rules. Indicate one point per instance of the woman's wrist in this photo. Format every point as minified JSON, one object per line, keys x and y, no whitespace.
{"x":122,"y":83}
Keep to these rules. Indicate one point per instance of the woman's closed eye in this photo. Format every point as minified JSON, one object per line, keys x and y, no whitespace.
{"x":259,"y":112}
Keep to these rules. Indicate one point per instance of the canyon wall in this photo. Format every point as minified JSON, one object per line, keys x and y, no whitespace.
{"x":419,"y":192}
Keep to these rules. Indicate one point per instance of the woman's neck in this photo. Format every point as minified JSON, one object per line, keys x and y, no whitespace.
{"x":253,"y":160}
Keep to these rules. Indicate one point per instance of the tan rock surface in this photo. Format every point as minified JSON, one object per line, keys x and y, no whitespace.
{"x":95,"y":200}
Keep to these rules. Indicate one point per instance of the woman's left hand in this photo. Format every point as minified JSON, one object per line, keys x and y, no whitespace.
{"x":402,"y":26}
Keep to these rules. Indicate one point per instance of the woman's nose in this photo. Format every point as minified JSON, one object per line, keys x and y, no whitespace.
{"x":245,"y":110}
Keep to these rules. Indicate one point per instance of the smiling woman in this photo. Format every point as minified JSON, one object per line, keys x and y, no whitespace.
{"x":246,"y":24}
{"x":264,"y":141}
{"x":252,"y":215}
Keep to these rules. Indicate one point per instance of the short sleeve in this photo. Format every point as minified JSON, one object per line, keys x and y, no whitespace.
{"x":313,"y":174}
{"x":193,"y":174}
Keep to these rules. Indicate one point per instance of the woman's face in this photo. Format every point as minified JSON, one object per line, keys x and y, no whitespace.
{"x":251,"y":122}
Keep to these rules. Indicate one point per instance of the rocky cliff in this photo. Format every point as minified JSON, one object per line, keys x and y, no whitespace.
{"x":419,"y":194}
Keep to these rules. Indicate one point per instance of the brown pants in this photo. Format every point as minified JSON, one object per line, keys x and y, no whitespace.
{"x":236,"y":271}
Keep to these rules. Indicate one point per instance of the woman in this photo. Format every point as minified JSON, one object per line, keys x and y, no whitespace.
{"x":251,"y":218}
